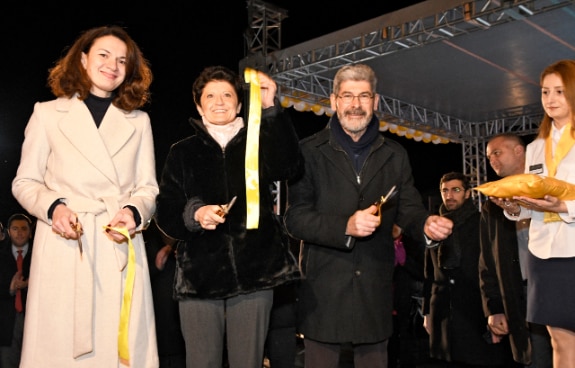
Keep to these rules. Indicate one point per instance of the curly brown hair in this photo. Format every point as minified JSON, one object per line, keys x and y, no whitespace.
{"x":69,"y":77}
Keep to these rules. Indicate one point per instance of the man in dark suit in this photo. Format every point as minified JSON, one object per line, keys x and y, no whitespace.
{"x":502,"y":262}
{"x":347,"y":252}
{"x":13,"y":288}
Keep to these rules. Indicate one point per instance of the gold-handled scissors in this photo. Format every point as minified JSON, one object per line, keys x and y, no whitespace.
{"x":78,"y":229}
{"x":225,"y":208}
{"x":383,"y":200}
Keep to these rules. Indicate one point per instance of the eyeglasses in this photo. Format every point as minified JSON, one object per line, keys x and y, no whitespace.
{"x":444,"y":191}
{"x":363,"y":98}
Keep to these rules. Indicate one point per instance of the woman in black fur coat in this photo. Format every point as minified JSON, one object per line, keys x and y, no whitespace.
{"x":226,"y":270}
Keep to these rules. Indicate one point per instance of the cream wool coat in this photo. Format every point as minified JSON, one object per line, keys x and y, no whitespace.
{"x":74,"y":302}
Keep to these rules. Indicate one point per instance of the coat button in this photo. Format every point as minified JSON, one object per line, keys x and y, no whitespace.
{"x":452,"y":281}
{"x":358,"y":273}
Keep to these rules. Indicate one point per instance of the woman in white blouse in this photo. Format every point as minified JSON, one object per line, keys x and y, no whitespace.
{"x":551,"y":265}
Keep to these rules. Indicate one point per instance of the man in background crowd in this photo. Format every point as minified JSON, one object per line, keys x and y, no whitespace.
{"x":15,"y":259}
{"x":453,"y":315}
{"x":502,"y":264}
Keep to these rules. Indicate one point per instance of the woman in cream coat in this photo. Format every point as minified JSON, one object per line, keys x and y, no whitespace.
{"x":88,"y":162}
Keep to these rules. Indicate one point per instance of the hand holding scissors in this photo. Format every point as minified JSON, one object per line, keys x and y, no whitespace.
{"x":210,"y":216}
{"x":383,"y":200}
{"x":225,"y":208}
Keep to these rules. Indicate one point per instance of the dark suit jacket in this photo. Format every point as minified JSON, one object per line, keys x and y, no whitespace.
{"x":500,"y":277}
{"x":8,"y":268}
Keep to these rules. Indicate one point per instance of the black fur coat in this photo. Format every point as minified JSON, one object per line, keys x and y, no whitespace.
{"x":231,"y":260}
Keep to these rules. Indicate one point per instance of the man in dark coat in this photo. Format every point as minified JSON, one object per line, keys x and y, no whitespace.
{"x":502,"y":265}
{"x":347,"y":255}
{"x":14,"y":284}
{"x":453,"y":315}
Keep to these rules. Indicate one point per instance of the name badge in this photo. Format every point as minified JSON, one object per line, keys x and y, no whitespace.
{"x":536,"y":169}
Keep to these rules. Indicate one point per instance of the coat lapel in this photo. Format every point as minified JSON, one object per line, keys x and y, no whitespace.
{"x":336,"y":154}
{"x":79,"y":128}
{"x":116,"y":130}
{"x":375,"y":162}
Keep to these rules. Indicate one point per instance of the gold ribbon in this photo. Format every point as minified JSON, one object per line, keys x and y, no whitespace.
{"x":252,"y":150}
{"x":123,"y":341}
{"x":564,"y":145}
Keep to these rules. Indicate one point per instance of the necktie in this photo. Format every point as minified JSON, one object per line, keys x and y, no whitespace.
{"x":18,"y":302}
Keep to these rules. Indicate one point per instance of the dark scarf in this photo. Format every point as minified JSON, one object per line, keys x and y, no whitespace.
{"x":449,"y":252}
{"x":357,"y":151}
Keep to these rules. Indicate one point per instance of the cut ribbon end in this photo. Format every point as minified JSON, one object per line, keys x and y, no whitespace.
{"x":123,"y":341}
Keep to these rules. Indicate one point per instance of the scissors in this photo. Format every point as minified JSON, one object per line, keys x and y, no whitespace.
{"x":383,"y":200}
{"x":77,"y":227}
{"x":225,"y":208}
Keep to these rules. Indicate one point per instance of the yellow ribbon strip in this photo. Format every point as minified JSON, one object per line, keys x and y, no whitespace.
{"x":123,"y":342}
{"x":252,"y":150}
{"x":564,"y":145}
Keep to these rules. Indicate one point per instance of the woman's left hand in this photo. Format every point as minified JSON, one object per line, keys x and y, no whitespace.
{"x":124,"y":218}
{"x":268,"y":89}
{"x":545,"y":204}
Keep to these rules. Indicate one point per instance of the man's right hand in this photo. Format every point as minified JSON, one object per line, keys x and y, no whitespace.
{"x":437,"y":228}
{"x":497,"y":323}
{"x":363,"y":222}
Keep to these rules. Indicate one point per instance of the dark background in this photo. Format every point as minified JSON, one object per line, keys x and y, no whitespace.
{"x":179,"y":39}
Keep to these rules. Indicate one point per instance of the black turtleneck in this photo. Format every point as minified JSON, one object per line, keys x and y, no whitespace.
{"x":98,"y":107}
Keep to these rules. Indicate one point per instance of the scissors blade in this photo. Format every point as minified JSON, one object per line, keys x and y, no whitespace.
{"x":225,"y":209}
{"x":389,"y":194}
{"x":78,"y":229}
{"x":229,"y":206}
{"x":80,"y":244}
{"x":384,"y":200}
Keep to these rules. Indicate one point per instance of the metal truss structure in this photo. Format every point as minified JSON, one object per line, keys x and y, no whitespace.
{"x":303,"y":72}
{"x":264,"y":29}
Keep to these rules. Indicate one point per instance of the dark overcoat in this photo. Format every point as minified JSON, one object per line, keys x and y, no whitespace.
{"x":502,"y":288}
{"x":8,"y":269}
{"x":230,"y":260}
{"x":452,"y":298}
{"x":346,"y":292}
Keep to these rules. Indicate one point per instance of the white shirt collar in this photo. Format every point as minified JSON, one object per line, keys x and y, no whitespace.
{"x":24,"y":250}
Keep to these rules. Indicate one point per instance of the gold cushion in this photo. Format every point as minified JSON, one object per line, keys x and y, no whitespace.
{"x":528,"y":185}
